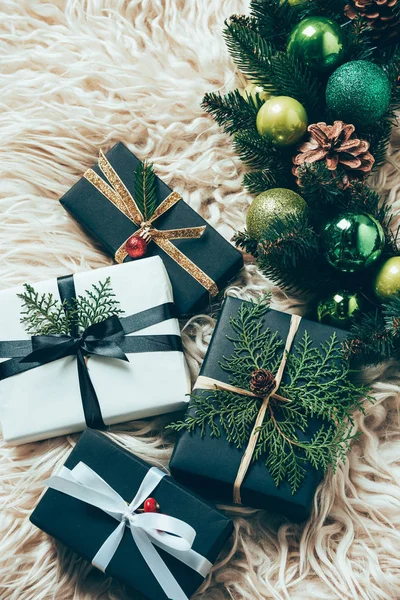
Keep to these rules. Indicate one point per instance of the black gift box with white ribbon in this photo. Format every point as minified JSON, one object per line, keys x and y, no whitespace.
{"x":85,"y":528}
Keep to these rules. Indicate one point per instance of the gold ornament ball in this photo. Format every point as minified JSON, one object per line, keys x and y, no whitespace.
{"x":387,"y":282}
{"x":252,"y":90}
{"x":339,"y":309}
{"x":283,"y":120}
{"x":269,"y":205}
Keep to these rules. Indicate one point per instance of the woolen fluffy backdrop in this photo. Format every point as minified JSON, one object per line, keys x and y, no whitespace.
{"x":77,"y":76}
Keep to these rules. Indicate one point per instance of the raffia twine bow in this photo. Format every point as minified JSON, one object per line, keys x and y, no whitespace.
{"x":208,"y":383}
{"x":118,"y":194}
{"x":148,"y":529}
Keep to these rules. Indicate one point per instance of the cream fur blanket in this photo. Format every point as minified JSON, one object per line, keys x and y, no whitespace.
{"x":79,"y":75}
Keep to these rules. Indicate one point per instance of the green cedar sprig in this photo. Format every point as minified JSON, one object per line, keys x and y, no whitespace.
{"x":42,"y":314}
{"x":317,"y":382}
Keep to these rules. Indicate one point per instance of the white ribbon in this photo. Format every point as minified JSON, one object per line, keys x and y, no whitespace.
{"x":148,"y":529}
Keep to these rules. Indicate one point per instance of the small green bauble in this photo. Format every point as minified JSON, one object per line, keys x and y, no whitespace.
{"x":338,"y":310}
{"x":319,"y":42}
{"x":283,"y":120}
{"x":277,"y":202}
{"x":358,"y":92}
{"x":387,"y":282}
{"x":353,"y":241}
{"x":252,"y":90}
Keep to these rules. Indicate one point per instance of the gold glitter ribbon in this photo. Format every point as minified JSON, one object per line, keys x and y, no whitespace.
{"x":207,"y":383}
{"x":118,"y":194}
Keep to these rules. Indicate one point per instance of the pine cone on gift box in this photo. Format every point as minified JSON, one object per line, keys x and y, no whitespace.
{"x":383,"y":16}
{"x":337,"y":145}
{"x":262,"y":382}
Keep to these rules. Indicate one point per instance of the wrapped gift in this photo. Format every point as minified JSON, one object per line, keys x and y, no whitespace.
{"x":83,"y":351}
{"x":107,"y":498}
{"x":271,"y":410}
{"x":106,"y":203}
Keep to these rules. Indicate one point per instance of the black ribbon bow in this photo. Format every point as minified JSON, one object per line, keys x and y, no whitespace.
{"x":107,"y":338}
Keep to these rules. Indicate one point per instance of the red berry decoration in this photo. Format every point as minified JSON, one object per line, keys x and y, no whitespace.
{"x":136,"y":246}
{"x":151,"y":505}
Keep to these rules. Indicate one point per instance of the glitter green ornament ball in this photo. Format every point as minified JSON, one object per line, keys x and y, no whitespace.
{"x":387,"y":281}
{"x":283,"y":120}
{"x":339,"y":309}
{"x":352,"y":241}
{"x":319,"y":41}
{"x":358,"y":92}
{"x":277,"y":202}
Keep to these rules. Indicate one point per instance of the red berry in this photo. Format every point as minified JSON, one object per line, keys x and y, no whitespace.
{"x":136,"y":246}
{"x":151,"y":505}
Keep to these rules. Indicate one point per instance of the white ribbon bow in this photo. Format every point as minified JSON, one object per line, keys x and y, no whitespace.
{"x":148,"y":529}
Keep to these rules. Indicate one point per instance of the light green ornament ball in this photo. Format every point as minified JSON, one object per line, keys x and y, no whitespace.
{"x":294,"y":2}
{"x":339,"y":309}
{"x":269,"y":205}
{"x":387,"y":282}
{"x":319,"y":41}
{"x":252,"y":90}
{"x":358,"y":92}
{"x":283,"y":120}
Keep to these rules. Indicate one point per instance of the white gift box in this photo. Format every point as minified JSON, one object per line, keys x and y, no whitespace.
{"x":46,"y":401}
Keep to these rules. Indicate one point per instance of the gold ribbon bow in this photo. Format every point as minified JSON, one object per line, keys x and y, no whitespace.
{"x":207,"y":383}
{"x":117,"y":193}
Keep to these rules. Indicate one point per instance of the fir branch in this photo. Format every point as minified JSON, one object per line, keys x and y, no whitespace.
{"x":145,"y":189}
{"x":260,"y":181}
{"x":370,"y":339}
{"x":244,"y":241}
{"x":244,"y":21}
{"x":274,"y":19}
{"x":250,"y":52}
{"x":258,"y":152}
{"x":232,"y":111}
{"x":391,"y":315}
{"x":315,"y":427}
{"x":96,"y":306}
{"x":43,"y":314}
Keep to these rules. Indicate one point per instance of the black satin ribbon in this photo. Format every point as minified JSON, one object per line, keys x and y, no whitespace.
{"x":107,"y":339}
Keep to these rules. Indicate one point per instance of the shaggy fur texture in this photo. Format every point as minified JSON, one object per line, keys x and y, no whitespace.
{"x":77,"y":76}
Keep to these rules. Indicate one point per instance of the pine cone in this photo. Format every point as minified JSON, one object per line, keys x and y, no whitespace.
{"x":262,"y":382}
{"x":383,"y":16}
{"x":337,"y":145}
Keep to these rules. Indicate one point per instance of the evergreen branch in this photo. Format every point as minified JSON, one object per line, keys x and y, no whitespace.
{"x":391,"y":315}
{"x":370,"y":339}
{"x":42,"y":314}
{"x":274,"y":19}
{"x":250,"y":52}
{"x":145,"y":189}
{"x":260,"y":181}
{"x":232,"y":111}
{"x":245,"y":242}
{"x":244,"y":21}
{"x":255,"y":150}
{"x":98,"y":305}
{"x":315,"y":427}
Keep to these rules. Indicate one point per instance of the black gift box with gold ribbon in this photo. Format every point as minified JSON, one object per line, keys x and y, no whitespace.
{"x":213,"y":259}
{"x":209,"y":463}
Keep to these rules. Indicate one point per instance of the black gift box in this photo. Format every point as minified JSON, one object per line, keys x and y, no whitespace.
{"x":212,"y":253}
{"x":84,"y":528}
{"x":209,"y":465}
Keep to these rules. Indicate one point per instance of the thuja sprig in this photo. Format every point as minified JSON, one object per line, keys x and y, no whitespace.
{"x":315,"y":427}
{"x":42,"y":314}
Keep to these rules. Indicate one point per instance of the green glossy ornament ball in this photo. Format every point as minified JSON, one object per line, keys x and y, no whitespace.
{"x":387,"y":281}
{"x":252,"y":90}
{"x":283,"y":120}
{"x":339,"y":309}
{"x":319,"y":41}
{"x":358,"y":92}
{"x":277,"y":202}
{"x":352,"y":241}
